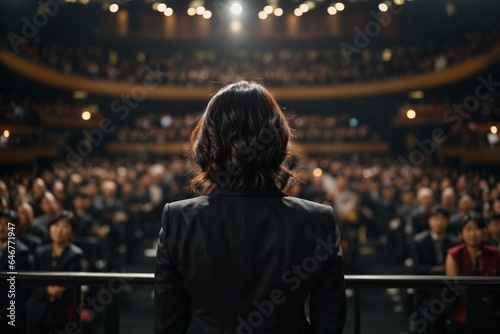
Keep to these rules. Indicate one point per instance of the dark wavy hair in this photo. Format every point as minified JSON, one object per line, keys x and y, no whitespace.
{"x":241,"y":142}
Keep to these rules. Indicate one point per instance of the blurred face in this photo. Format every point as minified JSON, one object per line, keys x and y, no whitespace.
{"x":465,"y":204}
{"x":38,"y":188}
{"x":4,"y":231}
{"x":448,"y":200}
{"x":61,"y":231}
{"x":438,"y":224}
{"x":26,"y":214}
{"x":472,"y":235}
{"x":494,"y":228}
{"x":49,"y":205}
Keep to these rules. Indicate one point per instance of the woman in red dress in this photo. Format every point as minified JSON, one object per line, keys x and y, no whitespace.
{"x":474,"y":258}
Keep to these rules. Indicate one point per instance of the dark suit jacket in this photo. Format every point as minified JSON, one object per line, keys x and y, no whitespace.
{"x":424,"y":254}
{"x":241,"y":262}
{"x":62,"y":309}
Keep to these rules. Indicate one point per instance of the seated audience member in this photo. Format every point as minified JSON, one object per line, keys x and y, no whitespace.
{"x":473,"y":258}
{"x":494,"y":231}
{"x":51,"y":307}
{"x":465,"y":206}
{"x":19,"y":253}
{"x":50,"y":207}
{"x":429,"y":253}
{"x":31,"y":235}
{"x":420,"y":217}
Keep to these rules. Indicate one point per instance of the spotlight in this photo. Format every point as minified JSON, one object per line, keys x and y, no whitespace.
{"x":86,"y":115}
{"x":268,"y":9}
{"x":236,"y":9}
{"x":6,"y":133}
{"x":383,"y":7}
{"x":332,"y":10}
{"x":399,"y":2}
{"x":339,"y":6}
{"x":191,"y":11}
{"x":278,"y":11}
{"x":113,"y":8}
{"x":262,"y":15}
{"x":411,"y":114}
{"x":297,"y":12}
{"x":317,"y":172}
{"x":168,"y":12}
{"x":207,"y":14}
{"x":493,"y":129}
{"x":200,"y":10}
{"x":304,"y":8}
{"x":161,"y":7}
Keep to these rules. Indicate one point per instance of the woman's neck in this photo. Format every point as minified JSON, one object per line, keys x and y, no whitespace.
{"x":473,"y":250}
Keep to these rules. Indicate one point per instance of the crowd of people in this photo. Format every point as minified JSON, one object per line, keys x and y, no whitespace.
{"x":274,"y":67}
{"x":103,"y":208}
{"x":161,"y":128}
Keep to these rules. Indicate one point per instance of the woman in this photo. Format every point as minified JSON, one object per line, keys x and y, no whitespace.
{"x":243,"y":257}
{"x":51,"y":307}
{"x":473,"y":258}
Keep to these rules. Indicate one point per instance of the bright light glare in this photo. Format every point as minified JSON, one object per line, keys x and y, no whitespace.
{"x":86,"y":115}
{"x":168,"y":12}
{"x":236,"y":8}
{"x":207,"y":14}
{"x":235,"y":26}
{"x":6,"y":133}
{"x":331,"y":10}
{"x":155,"y":5}
{"x":191,"y":11}
{"x":268,"y":9}
{"x":317,"y":172}
{"x":383,"y":7}
{"x":399,"y":2}
{"x":278,"y":11}
{"x":411,"y":114}
{"x":262,"y":15}
{"x":493,"y":130}
{"x":114,"y":8}
{"x":161,"y":7}
{"x":339,"y":6}
{"x":304,"y":8}
{"x":200,"y":10}
{"x":297,"y":12}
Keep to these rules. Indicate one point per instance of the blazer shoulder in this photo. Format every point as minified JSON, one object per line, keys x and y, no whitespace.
{"x":74,"y":249}
{"x":42,"y":249}
{"x":305,"y":206}
{"x":421,"y":237}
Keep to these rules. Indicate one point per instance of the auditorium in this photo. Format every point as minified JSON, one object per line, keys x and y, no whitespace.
{"x":250,"y":166}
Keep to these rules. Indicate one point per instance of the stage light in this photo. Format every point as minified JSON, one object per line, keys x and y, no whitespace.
{"x":411,"y":114}
{"x":278,"y":11}
{"x":262,"y":15}
{"x":268,"y":9}
{"x":383,"y":7}
{"x":311,"y":4}
{"x":161,"y":7}
{"x":399,"y":2}
{"x":235,"y":26}
{"x":332,"y":10}
{"x":236,"y":9}
{"x":6,"y":133}
{"x":304,"y":8}
{"x":191,"y":11}
{"x":155,"y":6}
{"x":387,"y":54}
{"x":339,"y":6}
{"x":207,"y":14}
{"x":493,"y":130}
{"x":317,"y":172}
{"x":113,"y":8}
{"x":297,"y":12}
{"x":168,"y":12}
{"x":86,"y":115}
{"x":200,"y":10}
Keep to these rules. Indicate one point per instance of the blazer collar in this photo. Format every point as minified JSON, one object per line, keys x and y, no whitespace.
{"x":272,"y":190}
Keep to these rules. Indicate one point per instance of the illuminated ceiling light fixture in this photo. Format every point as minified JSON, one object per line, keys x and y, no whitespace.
{"x":383,"y":7}
{"x":161,"y":7}
{"x":304,"y":8}
{"x":207,"y":14}
{"x":268,"y":9}
{"x":297,"y":12}
{"x":200,"y":10}
{"x":113,"y":8}
{"x":168,"y":12}
{"x":332,"y":10}
{"x":339,"y":6}
{"x":236,"y":8}
{"x":191,"y":11}
{"x":278,"y":11}
{"x":262,"y":15}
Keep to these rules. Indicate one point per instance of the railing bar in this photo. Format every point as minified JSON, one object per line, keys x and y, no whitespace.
{"x":357,"y":310}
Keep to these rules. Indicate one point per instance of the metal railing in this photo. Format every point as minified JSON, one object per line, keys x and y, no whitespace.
{"x":355,"y":282}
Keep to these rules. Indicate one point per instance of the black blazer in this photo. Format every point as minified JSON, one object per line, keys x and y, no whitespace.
{"x":245,"y":262}
{"x":423,"y":252}
{"x":62,"y":309}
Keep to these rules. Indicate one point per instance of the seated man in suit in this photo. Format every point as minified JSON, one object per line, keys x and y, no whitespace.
{"x":429,"y":253}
